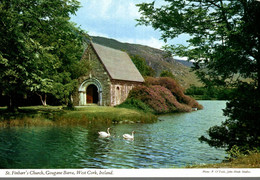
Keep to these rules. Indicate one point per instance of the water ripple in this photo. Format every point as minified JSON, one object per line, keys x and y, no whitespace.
{"x":172,"y":142}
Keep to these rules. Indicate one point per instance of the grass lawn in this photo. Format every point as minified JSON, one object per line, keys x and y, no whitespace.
{"x":56,"y":115}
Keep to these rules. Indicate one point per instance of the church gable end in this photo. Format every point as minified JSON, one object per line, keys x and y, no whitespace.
{"x":110,"y":79}
{"x":98,"y":77}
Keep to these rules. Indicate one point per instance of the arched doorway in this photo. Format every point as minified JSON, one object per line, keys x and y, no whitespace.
{"x":90,"y":87}
{"x":92,"y":94}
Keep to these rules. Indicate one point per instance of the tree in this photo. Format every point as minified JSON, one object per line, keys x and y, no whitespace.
{"x":225,"y":45}
{"x":68,"y":47}
{"x":141,"y":65}
{"x":166,"y":73}
{"x":38,"y":46}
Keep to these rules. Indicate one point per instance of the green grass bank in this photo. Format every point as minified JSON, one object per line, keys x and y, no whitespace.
{"x":87,"y":115}
{"x":243,"y":161}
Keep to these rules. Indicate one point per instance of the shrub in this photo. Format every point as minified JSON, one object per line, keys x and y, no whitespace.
{"x":159,"y":98}
{"x":167,"y":73}
{"x":211,"y":92}
{"x":149,"y":97}
{"x":160,"y":95}
{"x":194,"y":90}
{"x":132,"y":103}
{"x":175,"y":89}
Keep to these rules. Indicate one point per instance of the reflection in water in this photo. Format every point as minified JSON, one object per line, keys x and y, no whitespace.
{"x":172,"y":142}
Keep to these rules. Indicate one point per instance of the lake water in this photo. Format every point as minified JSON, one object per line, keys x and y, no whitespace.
{"x":171,"y":142}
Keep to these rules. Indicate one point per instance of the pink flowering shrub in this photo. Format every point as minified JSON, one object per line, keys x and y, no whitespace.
{"x":159,"y":98}
{"x":161,"y":95}
{"x":175,"y":89}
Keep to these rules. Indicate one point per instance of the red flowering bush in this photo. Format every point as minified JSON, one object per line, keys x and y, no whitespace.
{"x":150,"y":97}
{"x":160,"y":95}
{"x":175,"y":89}
{"x":159,"y":98}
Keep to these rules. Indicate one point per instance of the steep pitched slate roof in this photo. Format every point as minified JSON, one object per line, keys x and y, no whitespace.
{"x":118,"y":64}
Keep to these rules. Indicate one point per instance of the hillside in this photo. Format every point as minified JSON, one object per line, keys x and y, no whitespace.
{"x":156,"y":58}
{"x":185,"y":63}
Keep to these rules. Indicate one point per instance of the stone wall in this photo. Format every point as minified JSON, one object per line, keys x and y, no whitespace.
{"x":120,"y":90}
{"x":97,"y":72}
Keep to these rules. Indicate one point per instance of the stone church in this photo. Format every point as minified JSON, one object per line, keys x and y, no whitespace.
{"x":112,"y":76}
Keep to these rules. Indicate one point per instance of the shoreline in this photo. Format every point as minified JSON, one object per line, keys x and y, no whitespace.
{"x":87,"y":115}
{"x":252,"y":160}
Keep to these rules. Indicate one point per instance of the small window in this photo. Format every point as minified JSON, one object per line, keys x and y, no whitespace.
{"x":117,"y":88}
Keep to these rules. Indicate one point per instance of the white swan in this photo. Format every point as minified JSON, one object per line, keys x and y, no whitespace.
{"x":104,"y":134}
{"x":128,"y":136}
